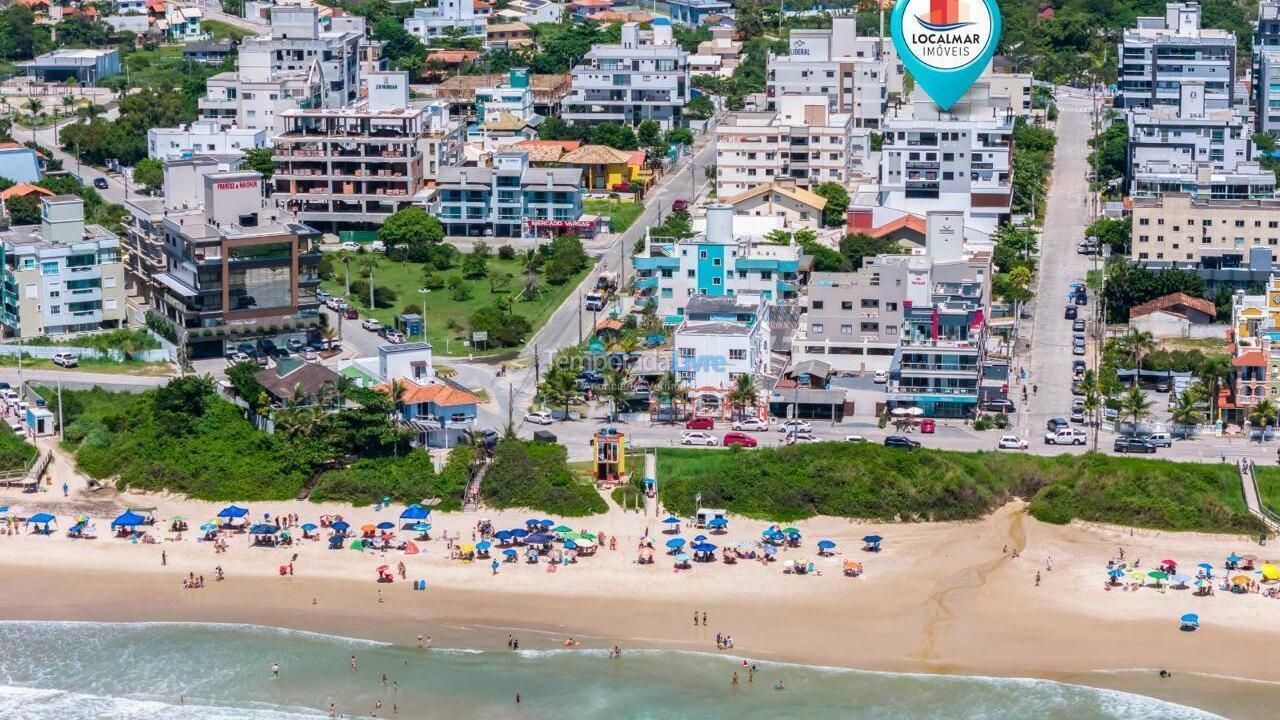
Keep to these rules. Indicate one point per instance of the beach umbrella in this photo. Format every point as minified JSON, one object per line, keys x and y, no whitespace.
{"x":1137,"y":576}
{"x":421,"y":527}
{"x":208,"y":527}
{"x":674,"y":543}
{"x":357,"y":545}
{"x":900,"y":411}
{"x":1234,"y":558}
{"x":231,"y":511}
{"x":562,"y":529}
{"x":1115,"y":573}
{"x":825,"y":545}
{"x":718,"y":522}
{"x":1270,"y":572}
{"x":1158,"y":575}
{"x":264,"y":529}
{"x":570,"y":545}
{"x":532,"y":522}
{"x":308,"y":527}
{"x":1169,"y":562}
{"x":386,"y":525}
{"x":510,"y":552}
{"x":176,"y":518}
{"x":1190,"y":619}
{"x":484,"y":545}
{"x":699,"y":538}
{"x":415,"y":512}
{"x":1207,"y":567}
{"x":1202,"y":583}
{"x":585,"y":542}
{"x":1241,"y":580}
{"x":546,"y":523}
{"x":128,"y":518}
{"x":410,"y":549}
{"x":538,"y":539}
{"x":368,"y":527}
{"x":519,"y":533}
{"x":790,"y":531}
{"x":571,"y":536}
{"x":340,"y":526}
{"x":872,"y":539}
{"x":671,"y":520}
{"x":503,"y":535}
{"x":705,"y":547}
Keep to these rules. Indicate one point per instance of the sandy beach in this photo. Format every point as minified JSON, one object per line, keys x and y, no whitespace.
{"x":939,"y":598}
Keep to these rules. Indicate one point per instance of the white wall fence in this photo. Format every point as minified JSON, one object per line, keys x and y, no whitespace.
{"x":167,"y":352}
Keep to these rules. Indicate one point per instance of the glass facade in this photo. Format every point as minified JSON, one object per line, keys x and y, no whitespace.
{"x":257,"y":279}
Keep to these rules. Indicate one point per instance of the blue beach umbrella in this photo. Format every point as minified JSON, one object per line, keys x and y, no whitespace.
{"x":510,"y":552}
{"x":1190,"y":618}
{"x":519,"y":533}
{"x":421,"y":527}
{"x":1115,"y":573}
{"x":547,"y":523}
{"x":341,"y":526}
{"x":717,"y":522}
{"x":208,"y":526}
{"x":672,"y":520}
{"x":264,"y":529}
{"x":231,"y":511}
{"x":699,"y":538}
{"x":770,"y":550}
{"x":128,"y":519}
{"x":674,"y":543}
{"x":570,"y":545}
{"x":825,"y":545}
{"x":308,"y":526}
{"x":705,"y":547}
{"x":532,"y":522}
{"x":484,"y":545}
{"x":386,"y":525}
{"x":1234,"y":558}
{"x":415,"y":512}
{"x":503,"y":535}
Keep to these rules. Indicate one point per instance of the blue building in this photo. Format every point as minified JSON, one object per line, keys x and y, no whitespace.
{"x":510,"y":199}
{"x":19,"y":163}
{"x":695,"y":12}
{"x":669,"y":272}
{"x":88,"y":66}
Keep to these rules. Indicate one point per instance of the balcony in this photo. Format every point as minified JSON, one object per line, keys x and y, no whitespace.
{"x":647,"y":283}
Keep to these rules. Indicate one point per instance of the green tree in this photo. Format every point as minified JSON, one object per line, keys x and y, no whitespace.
{"x":700,"y":108}
{"x":259,"y":160}
{"x":837,"y":202}
{"x":149,"y":173}
{"x":648,"y":133}
{"x":1134,"y":405}
{"x":615,"y":135}
{"x":412,"y":226}
{"x":23,"y":210}
{"x":616,"y":390}
{"x":1112,"y":232}
{"x":566,"y":257}
{"x":1264,"y":413}
{"x":475,"y":264}
{"x":857,"y":247}
{"x":559,"y":387}
{"x":680,"y":136}
{"x":743,"y":395}
{"x":459,"y":289}
{"x":1186,"y":410}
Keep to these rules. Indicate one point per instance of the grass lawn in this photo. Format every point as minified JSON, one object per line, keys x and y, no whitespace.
{"x":163,"y":67}
{"x":621,"y":214}
{"x":93,"y":365}
{"x":447,"y":319}
{"x":221,"y":30}
{"x":1268,"y":486}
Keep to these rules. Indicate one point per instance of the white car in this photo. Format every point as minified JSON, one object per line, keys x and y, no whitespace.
{"x":309,"y":354}
{"x":694,"y":437}
{"x":371,"y":324}
{"x":854,"y":439}
{"x":751,"y":425}
{"x":66,"y":360}
{"x":538,"y":417}
{"x":799,"y":426}
{"x":1012,"y":442}
{"x":238,"y":358}
{"x":800,"y":437}
{"x":393,"y":337}
{"x":1069,"y":436}
{"x":351,"y":246}
{"x":880,"y":377}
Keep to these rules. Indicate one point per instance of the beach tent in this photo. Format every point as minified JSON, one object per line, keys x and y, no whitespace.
{"x":231,"y":511}
{"x":264,"y":529}
{"x":873,"y":542}
{"x":826,"y":545}
{"x":42,"y":521}
{"x":415,"y":512}
{"x":1189,"y":622}
{"x":128,"y":519}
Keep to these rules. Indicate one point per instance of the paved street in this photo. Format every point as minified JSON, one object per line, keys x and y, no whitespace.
{"x":1048,"y":363}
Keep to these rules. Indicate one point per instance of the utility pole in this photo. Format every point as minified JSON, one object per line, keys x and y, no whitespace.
{"x":511,"y":406}
{"x":61,"y":434}
{"x":579,"y":315}
{"x":371,"y":305}
{"x":537,"y":362}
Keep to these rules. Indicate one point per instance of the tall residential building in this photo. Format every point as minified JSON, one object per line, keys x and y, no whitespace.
{"x":432,"y":23}
{"x":298,"y":41}
{"x":941,"y":359}
{"x":851,"y":71}
{"x":801,"y":140}
{"x":646,"y":76}
{"x":1227,"y":242}
{"x":510,"y":199}
{"x":1157,"y":56}
{"x":236,"y":274}
{"x":717,"y":262}
{"x":953,"y":160}
{"x":1266,"y":112}
{"x":60,"y":276}
{"x":855,"y":321}
{"x":353,"y":167}
{"x":1173,"y":148}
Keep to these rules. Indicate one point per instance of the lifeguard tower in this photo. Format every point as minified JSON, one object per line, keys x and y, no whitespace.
{"x":610,"y":455}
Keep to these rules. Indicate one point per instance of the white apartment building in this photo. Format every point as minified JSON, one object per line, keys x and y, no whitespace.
{"x":1267,"y":84}
{"x":646,"y":76}
{"x":355,"y":166}
{"x":720,"y":339}
{"x":1016,"y":87}
{"x":61,"y":276}
{"x":801,"y":140}
{"x":532,"y":12}
{"x":298,"y":41}
{"x":953,"y":160}
{"x":1170,"y":146}
{"x":254,"y":98}
{"x":850,"y":71}
{"x":432,"y":23}
{"x":1161,"y":53}
{"x":202,"y":137}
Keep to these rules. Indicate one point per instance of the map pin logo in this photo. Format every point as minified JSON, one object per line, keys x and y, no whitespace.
{"x":945,"y":44}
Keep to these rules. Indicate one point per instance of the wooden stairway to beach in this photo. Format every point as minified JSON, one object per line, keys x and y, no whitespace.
{"x":1252,"y":500}
{"x":471,"y":498}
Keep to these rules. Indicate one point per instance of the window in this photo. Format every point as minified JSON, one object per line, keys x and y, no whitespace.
{"x":109,"y":304}
{"x":55,"y":309}
{"x":666,"y":292}
{"x":846,"y":329}
{"x":816,"y":304}
{"x":846,"y":304}
{"x":108,"y":282}
{"x":868,"y":303}
{"x":687,"y":352}
{"x":32,"y":291}
{"x":690,"y":273}
{"x":870,"y":327}
{"x":49,"y":268}
{"x":702,"y":254}
{"x":715,"y":282}
{"x":737,"y":354}
{"x":818,"y":328}
{"x":891,"y":307}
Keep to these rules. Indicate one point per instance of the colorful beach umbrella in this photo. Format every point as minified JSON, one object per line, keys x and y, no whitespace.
{"x":341,"y":526}
{"x":1234,"y":558}
{"x":484,"y":545}
{"x":718,"y":522}
{"x":502,"y":535}
{"x":1241,"y":580}
{"x":570,"y":545}
{"x":510,"y":552}
{"x":562,"y":529}
{"x":872,"y":539}
{"x":1115,"y":573}
{"x":1158,"y":575}
{"x":519,"y":533}
{"x":208,"y":527}
{"x":1202,"y":583}
{"x":1270,"y":572}
{"x":308,"y":527}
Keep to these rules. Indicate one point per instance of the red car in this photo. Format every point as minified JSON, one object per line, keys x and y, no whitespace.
{"x":927,"y":426}
{"x":700,"y":423}
{"x":351,"y":314}
{"x":739,"y":439}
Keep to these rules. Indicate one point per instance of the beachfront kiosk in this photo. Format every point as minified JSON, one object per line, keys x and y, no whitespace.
{"x":610,"y":453}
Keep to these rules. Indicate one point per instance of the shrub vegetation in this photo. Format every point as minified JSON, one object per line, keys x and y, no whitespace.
{"x":537,"y":475}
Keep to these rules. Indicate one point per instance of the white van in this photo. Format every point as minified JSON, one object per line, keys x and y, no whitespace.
{"x":1160,"y":439}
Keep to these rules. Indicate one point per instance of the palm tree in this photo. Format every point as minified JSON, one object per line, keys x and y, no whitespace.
{"x":671,"y":389}
{"x":560,"y":387}
{"x":330,"y":335}
{"x":1135,"y":405}
{"x":530,"y":262}
{"x":396,"y":392}
{"x":1216,"y":372}
{"x":743,"y":394}
{"x":1186,"y":409}
{"x":615,"y":390}
{"x":1264,"y":413}
{"x":1137,"y":344}
{"x":34,"y":106}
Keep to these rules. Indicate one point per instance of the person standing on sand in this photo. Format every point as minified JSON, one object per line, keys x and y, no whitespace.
{"x":379,"y":596}
{"x":65,"y":488}
{"x":419,"y":641}
{"x":164,"y":558}
{"x":275,"y":670}
{"x":695,"y":618}
{"x":1048,"y":563}
{"x":1037,"y":578}
{"x":704,"y":618}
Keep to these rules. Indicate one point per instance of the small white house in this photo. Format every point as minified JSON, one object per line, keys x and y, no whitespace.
{"x":721,"y":338}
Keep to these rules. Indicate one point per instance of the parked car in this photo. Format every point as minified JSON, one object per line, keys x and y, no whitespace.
{"x":1077,"y":325}
{"x":538,"y":417}
{"x":1162,"y":385}
{"x":1133,"y":444}
{"x":800,"y":437}
{"x":323,"y":295}
{"x":854,"y":439}
{"x":350,"y":314}
{"x":1077,"y":413}
{"x":880,"y":377}
{"x":795,"y":426}
{"x":700,"y":422}
{"x":294,"y":344}
{"x":309,"y":354}
{"x":927,"y":425}
{"x":1000,"y":405}
{"x":695,"y":437}
{"x":1159,"y":439}
{"x":101,"y":183}
{"x":1012,"y":442}
{"x":738,"y":439}
{"x":237,"y":358}
{"x":901,"y":441}
{"x":394,"y":337}
{"x":1056,"y":424}
{"x":1069,"y":312}
{"x":1069,"y":436}
{"x":750,"y":425}
{"x":350,"y":246}
{"x":680,"y":205}
{"x":1078,"y":367}
{"x":66,"y":360}
{"x":371,"y":324}
{"x":1087,"y":248}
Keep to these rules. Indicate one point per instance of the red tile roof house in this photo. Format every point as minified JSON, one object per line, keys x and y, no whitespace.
{"x":1172,"y":315}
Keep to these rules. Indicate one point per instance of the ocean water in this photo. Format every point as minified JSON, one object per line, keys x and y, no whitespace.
{"x":73,"y":671}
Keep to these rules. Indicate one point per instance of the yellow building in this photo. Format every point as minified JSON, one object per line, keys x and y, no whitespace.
{"x":606,"y":168}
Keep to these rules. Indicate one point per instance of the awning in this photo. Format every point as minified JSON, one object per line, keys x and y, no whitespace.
{"x":415,"y":512}
{"x":231,"y":511}
{"x":128,"y":518}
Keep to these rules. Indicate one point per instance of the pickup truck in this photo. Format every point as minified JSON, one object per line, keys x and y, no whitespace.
{"x":594,"y":301}
{"x":1069,"y":436}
